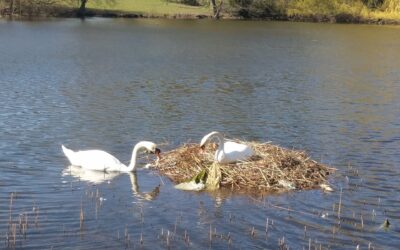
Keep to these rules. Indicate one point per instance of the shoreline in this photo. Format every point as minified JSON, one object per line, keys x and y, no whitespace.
{"x":315,"y":18}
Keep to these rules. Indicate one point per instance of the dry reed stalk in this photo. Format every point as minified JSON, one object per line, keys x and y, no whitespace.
{"x":81,"y":218}
{"x":14,"y":233}
{"x":272,"y":168}
{"x":11,"y":203}
{"x":340,"y":203}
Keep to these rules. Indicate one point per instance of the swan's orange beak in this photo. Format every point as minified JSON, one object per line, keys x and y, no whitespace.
{"x":158,"y":153}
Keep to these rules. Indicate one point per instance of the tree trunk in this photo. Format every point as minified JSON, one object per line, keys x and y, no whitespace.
{"x":12,"y":7}
{"x":82,"y":8}
{"x":214,"y":7}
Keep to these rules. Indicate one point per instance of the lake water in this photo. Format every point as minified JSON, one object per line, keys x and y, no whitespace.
{"x":333,"y":90}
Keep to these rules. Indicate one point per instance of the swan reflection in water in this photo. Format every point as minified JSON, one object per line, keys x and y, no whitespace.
{"x":98,"y":177}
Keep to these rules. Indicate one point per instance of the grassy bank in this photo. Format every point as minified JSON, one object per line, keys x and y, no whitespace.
{"x":105,"y":8}
{"x":152,"y":8}
{"x":343,"y":11}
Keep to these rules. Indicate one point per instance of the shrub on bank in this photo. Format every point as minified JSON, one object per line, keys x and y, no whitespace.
{"x":316,"y":10}
{"x":187,"y":2}
{"x":258,"y":8}
{"x":391,"y":6}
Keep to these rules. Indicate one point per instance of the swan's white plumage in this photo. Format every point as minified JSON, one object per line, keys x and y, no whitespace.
{"x":93,"y":160}
{"x":233,"y":152}
{"x":228,"y":151}
{"x":102,"y":161}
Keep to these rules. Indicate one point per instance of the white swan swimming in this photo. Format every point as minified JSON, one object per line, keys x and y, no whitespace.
{"x":102,"y":161}
{"x":228,"y":151}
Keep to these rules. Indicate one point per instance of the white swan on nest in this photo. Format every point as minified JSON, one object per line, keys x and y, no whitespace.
{"x":228,"y":151}
{"x":102,"y":161}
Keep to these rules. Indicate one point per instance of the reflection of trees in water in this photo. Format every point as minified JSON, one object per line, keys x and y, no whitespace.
{"x":221,"y":103}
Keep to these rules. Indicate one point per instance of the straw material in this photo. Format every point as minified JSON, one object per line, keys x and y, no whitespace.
{"x":272,"y":168}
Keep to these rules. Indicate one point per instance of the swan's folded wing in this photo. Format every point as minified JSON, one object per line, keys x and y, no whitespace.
{"x":234,"y":147}
{"x":96,"y":160}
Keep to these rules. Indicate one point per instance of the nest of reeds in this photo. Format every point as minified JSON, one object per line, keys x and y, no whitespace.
{"x":272,"y":168}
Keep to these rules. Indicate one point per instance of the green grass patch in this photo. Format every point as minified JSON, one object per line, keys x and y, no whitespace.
{"x":150,"y":7}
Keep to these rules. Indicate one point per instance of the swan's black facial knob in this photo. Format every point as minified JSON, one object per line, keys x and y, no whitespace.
{"x":203,"y":147}
{"x":157,"y":151}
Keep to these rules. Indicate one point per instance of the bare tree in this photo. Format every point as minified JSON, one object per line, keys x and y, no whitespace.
{"x":82,"y":8}
{"x":216,"y":8}
{"x":11,"y":7}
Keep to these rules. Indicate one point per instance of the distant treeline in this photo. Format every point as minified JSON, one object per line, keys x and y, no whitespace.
{"x":312,"y":10}
{"x":31,"y":7}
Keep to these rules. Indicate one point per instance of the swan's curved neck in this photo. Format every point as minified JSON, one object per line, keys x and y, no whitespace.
{"x":220,"y":139}
{"x":221,"y":143}
{"x":132,"y":164}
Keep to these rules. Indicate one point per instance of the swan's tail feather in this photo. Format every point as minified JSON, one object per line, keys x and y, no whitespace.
{"x":68,"y":152}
